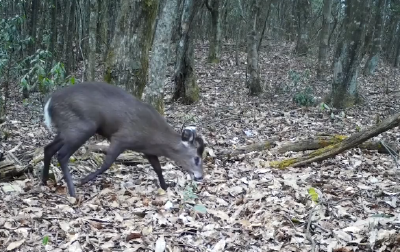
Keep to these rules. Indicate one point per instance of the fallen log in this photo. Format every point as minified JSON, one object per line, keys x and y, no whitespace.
{"x":127,"y":158}
{"x":323,"y":141}
{"x":334,"y":149}
{"x":8,"y":170}
{"x":266,"y":145}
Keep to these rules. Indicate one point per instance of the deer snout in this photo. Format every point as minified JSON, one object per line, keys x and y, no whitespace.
{"x":197,"y":176}
{"x":198,"y":179}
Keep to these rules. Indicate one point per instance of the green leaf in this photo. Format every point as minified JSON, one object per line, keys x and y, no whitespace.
{"x":72,"y":80}
{"x":294,"y":220}
{"x":45,"y":240}
{"x":313,"y":194}
{"x":200,"y":209}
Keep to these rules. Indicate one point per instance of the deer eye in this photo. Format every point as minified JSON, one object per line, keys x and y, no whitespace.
{"x":196,"y":161}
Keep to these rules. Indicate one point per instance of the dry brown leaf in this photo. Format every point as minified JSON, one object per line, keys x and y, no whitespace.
{"x":14,"y":245}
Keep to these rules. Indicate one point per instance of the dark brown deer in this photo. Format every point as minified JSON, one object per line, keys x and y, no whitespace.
{"x":82,"y":110}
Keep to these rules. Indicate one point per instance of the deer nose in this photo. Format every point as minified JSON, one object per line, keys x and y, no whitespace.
{"x":198,"y":179}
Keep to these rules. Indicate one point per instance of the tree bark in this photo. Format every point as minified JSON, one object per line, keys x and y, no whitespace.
{"x":253,"y":22}
{"x":324,"y":38}
{"x":348,"y":56}
{"x":254,"y":80}
{"x":33,"y":24}
{"x":154,"y":91}
{"x":94,"y":10}
{"x":303,"y":13}
{"x":374,"y":56}
{"x":53,"y":29}
{"x":186,"y":88}
{"x":128,"y":56}
{"x":69,"y":66}
{"x":214,"y":6}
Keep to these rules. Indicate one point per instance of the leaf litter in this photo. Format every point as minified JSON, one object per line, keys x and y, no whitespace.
{"x":346,"y":203}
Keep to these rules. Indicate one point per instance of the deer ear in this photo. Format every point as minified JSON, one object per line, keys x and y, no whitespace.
{"x":189,"y":134}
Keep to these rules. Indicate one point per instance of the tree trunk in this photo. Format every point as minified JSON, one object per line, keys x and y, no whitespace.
{"x":348,"y":56}
{"x":215,"y":43}
{"x":128,"y":56}
{"x":104,"y":20}
{"x":303,"y":13}
{"x":186,"y":88}
{"x":69,"y":66}
{"x":53,"y":29}
{"x":62,"y":36}
{"x":324,"y":38}
{"x":94,"y":9}
{"x":373,"y":59}
{"x":254,"y":81}
{"x":154,"y":91}
{"x":33,"y":25}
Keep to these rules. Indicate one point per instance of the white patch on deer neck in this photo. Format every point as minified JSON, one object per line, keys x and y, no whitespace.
{"x":187,"y":144}
{"x":47,"y":117}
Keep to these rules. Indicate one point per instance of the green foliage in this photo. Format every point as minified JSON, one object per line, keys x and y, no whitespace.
{"x":10,"y":36}
{"x":305,"y":97}
{"x":11,"y":42}
{"x":37,"y":76}
{"x":313,"y":194}
{"x":189,"y":193}
{"x":316,"y":5}
{"x":200,"y":209}
{"x":45,"y":240}
{"x":299,"y":77}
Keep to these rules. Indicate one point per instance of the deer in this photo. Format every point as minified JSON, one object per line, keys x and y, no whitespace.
{"x":82,"y":110}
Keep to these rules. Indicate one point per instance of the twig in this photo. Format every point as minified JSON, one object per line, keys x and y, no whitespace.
{"x":308,"y":233}
{"x":15,"y":148}
{"x":391,"y":152}
{"x":15,"y":158}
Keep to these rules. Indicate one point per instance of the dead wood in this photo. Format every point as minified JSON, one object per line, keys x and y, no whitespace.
{"x":334,"y":149}
{"x":266,"y":145}
{"x":321,"y":142}
{"x":8,"y":169}
{"x":127,"y":158}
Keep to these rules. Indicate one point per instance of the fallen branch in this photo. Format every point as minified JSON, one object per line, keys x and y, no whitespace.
{"x":266,"y":145}
{"x":334,"y":149}
{"x":8,"y":169}
{"x":321,"y":142}
{"x":127,"y":158}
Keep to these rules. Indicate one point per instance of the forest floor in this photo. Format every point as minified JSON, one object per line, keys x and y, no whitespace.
{"x":249,"y":205}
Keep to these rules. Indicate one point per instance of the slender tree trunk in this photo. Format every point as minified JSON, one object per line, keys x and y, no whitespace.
{"x":104,"y":21}
{"x":254,"y":20}
{"x":348,"y":55}
{"x":33,"y":25}
{"x":373,"y":58}
{"x":303,"y":12}
{"x":63,"y":12}
{"x":396,"y":59}
{"x":53,"y":25}
{"x":41,"y":24}
{"x":186,"y":88}
{"x":70,"y":36}
{"x":215,"y":43}
{"x":324,"y":38}
{"x":154,"y":91}
{"x":254,"y":81}
{"x":94,"y":9}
